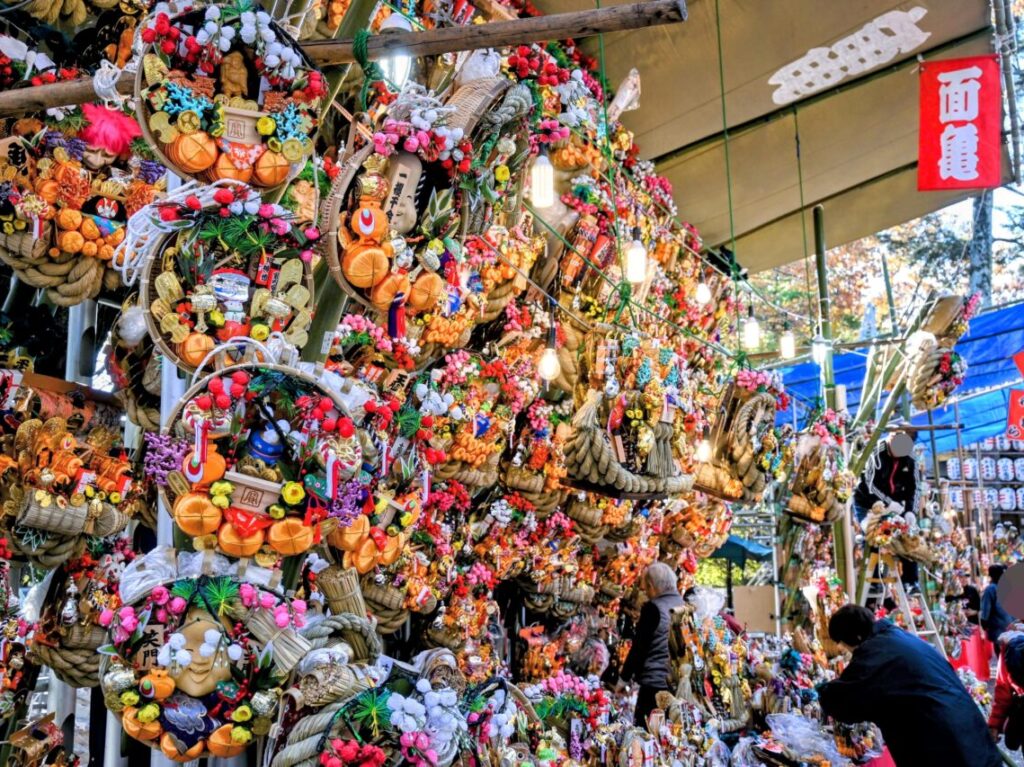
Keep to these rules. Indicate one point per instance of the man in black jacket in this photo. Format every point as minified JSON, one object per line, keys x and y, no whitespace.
{"x":648,"y":659}
{"x":890,"y":478}
{"x":910,"y":691}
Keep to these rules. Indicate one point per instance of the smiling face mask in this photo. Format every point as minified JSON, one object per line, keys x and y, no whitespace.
{"x":201,"y":676}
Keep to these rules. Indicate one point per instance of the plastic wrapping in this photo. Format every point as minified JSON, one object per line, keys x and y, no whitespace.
{"x":717,"y":755}
{"x":32,"y":604}
{"x":804,"y":739}
{"x":338,"y":655}
{"x":152,"y":569}
{"x":706,"y":602}
{"x":860,"y":742}
{"x":743,"y":754}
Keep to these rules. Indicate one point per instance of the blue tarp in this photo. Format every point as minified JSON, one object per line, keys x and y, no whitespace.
{"x":738,"y":550}
{"x":988,"y":348}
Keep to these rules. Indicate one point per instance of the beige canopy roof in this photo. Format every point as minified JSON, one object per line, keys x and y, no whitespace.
{"x":857,"y":127}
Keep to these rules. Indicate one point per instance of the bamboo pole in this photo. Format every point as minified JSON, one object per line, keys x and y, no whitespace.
{"x":430,"y":42}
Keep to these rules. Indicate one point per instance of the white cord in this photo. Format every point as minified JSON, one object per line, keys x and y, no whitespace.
{"x":145,"y":230}
{"x":104,"y":82}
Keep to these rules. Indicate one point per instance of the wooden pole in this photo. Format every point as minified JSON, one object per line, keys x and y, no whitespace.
{"x":431,"y":42}
{"x":498,"y":34}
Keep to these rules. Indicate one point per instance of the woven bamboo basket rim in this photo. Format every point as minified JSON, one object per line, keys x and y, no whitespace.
{"x":473,"y":100}
{"x":199,"y":386}
{"x":143,"y":113}
{"x":147,"y":290}
{"x":330,"y":221}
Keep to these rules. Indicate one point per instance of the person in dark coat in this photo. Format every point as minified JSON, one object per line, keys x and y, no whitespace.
{"x":910,"y":691}
{"x":994,"y":618}
{"x":648,"y":661}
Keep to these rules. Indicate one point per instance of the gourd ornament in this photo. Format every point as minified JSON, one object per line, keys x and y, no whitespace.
{"x":363,"y":237}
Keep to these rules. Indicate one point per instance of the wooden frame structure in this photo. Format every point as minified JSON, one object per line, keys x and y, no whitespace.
{"x":432,"y":42}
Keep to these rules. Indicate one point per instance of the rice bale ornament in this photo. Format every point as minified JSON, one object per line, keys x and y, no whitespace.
{"x":227,"y":265}
{"x":270,"y":460}
{"x":61,"y":489}
{"x":72,"y":187}
{"x":196,"y":665}
{"x":225,"y":93}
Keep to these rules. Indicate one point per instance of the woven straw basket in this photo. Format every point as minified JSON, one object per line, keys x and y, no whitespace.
{"x":72,"y":520}
{"x":143,"y":113}
{"x":175,"y":427}
{"x":147,"y":290}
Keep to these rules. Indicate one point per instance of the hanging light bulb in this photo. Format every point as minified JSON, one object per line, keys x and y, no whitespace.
{"x":703,"y":454}
{"x":819,"y":349}
{"x":636,"y":259}
{"x":703,"y":295}
{"x":542,"y":181}
{"x":549,"y":368}
{"x":751,"y":330}
{"x":787,"y":343}
{"x":398,"y":66}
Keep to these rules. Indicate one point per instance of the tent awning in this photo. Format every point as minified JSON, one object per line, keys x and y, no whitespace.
{"x":738,"y":550}
{"x":845,"y":72}
{"x":988,"y":348}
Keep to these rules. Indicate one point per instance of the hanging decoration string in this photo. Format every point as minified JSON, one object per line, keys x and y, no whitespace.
{"x":633,"y":304}
{"x":734,"y":271}
{"x":803,"y":218}
{"x":372,"y":73}
{"x":624,"y":289}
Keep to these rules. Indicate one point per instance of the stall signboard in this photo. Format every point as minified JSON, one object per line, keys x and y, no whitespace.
{"x":960,"y":125}
{"x":1015,"y":417}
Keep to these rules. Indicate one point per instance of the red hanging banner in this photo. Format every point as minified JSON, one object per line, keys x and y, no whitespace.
{"x":961,"y":123}
{"x":1015,"y":418}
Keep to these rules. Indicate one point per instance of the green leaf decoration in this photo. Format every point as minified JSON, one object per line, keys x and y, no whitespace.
{"x":371,"y":710}
{"x":219,"y":594}
{"x":408,"y":422}
{"x":186,"y":589}
{"x":440,"y":208}
{"x":140,"y":148}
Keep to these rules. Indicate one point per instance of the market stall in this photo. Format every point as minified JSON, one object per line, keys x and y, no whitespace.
{"x":410,"y":368}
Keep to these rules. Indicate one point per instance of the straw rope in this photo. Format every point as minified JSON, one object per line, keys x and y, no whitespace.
{"x":320,"y":634}
{"x":50,"y":554}
{"x":305,"y":739}
{"x":74,"y":667}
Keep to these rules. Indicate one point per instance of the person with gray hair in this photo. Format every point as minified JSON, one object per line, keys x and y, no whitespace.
{"x":648,"y":661}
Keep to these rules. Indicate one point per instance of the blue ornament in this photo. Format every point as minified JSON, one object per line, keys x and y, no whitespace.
{"x":266,"y":446}
{"x":480,"y":425}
